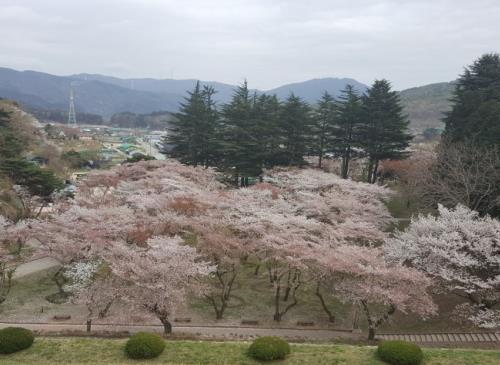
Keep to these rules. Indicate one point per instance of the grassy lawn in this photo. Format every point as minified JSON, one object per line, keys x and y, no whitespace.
{"x":47,"y":351}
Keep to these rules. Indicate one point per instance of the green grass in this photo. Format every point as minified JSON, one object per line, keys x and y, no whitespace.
{"x":47,"y":351}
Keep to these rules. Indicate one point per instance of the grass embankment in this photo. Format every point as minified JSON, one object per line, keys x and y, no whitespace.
{"x":47,"y":351}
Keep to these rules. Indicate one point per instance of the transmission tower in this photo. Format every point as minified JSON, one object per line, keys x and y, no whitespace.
{"x":71,"y":113}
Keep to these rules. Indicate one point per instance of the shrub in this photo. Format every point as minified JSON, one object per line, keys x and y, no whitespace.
{"x":400,"y":353}
{"x":144,"y":345}
{"x":269,"y":348}
{"x":13,"y":339}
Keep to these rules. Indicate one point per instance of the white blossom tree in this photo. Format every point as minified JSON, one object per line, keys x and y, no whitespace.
{"x":462,"y":250}
{"x":92,"y":284}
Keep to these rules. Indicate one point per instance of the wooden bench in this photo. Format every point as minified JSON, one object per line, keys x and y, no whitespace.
{"x":182,"y":320}
{"x":249,"y":322}
{"x":61,"y":317}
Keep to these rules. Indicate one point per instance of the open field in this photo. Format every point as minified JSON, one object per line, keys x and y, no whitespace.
{"x":47,"y":351}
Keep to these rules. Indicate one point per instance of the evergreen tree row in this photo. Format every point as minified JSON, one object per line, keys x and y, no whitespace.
{"x":256,"y":131}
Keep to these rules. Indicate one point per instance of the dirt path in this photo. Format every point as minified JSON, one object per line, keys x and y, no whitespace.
{"x":35,"y":266}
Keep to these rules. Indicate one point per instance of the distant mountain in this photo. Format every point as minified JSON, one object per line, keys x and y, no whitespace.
{"x":426,"y":105}
{"x":45,"y":91}
{"x":163,"y":86}
{"x":312,"y":90}
{"x":106,"y":95}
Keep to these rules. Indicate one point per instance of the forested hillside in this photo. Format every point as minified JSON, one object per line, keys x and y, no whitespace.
{"x":426,"y":105}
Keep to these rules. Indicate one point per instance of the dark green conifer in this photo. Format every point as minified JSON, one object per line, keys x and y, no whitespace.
{"x":384,"y":132}
{"x":475,"y":113}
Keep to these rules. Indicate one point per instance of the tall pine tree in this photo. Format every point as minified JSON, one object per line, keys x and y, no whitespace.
{"x":475,"y":113}
{"x":295,"y":125}
{"x":192,"y":137}
{"x":346,"y":129}
{"x":240,"y":141}
{"x":323,"y":126}
{"x":384,"y":131}
{"x":266,"y":111}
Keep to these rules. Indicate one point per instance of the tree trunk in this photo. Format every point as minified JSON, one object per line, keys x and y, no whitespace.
{"x":345,"y":164}
{"x":287,"y":293}
{"x":104,"y":312}
{"x":331,"y":316}
{"x":257,"y":269}
{"x":374,"y":324}
{"x":288,"y":287}
{"x":374,"y":173}
{"x":225,"y":294}
{"x":371,"y":334}
{"x":59,"y":279}
{"x":272,"y":277}
{"x":89,"y":325}
{"x":369,"y":172}
{"x":277,"y":314}
{"x":167,"y":326}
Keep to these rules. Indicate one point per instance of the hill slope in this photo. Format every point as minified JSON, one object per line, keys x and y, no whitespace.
{"x":426,"y":105}
{"x":312,"y":90}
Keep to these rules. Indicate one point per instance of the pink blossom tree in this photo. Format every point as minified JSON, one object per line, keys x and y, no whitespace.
{"x":160,"y":275}
{"x":363,"y":277}
{"x":132,"y":217}
{"x":12,"y":252}
{"x":222,"y":247}
{"x":461,"y":250}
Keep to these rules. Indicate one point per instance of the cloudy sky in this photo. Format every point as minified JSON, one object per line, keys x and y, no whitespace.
{"x":270,"y":42}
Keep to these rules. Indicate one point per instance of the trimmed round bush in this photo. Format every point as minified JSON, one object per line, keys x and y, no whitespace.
{"x":400,"y":353}
{"x":269,"y":348}
{"x":144,"y":345}
{"x":14,"y":339}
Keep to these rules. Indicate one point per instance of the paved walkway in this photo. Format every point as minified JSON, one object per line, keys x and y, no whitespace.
{"x":299,"y":334}
{"x":445,"y":338}
{"x":216,"y":332}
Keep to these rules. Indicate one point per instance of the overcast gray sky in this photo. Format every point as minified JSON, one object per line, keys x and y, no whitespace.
{"x":270,"y":42}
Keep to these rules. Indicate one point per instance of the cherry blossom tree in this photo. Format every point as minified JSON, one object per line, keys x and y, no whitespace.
{"x":362,"y":276}
{"x":461,"y":249}
{"x":12,"y":252}
{"x":160,"y":275}
{"x":225,"y":250}
{"x":161,"y":226}
{"x":92,"y":284}
{"x":6,"y":270}
{"x":78,"y":234}
{"x":296,"y":211}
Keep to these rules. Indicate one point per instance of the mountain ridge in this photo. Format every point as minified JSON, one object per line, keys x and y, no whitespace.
{"x":108,"y":95}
